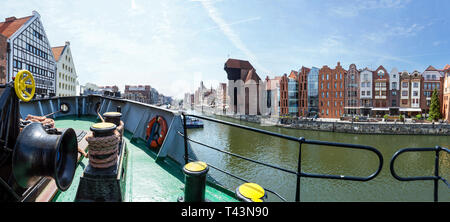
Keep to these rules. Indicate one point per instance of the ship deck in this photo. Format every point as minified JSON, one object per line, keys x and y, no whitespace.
{"x":147,"y":180}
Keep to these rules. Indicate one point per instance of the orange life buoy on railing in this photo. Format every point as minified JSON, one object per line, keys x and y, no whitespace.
{"x":156,"y":132}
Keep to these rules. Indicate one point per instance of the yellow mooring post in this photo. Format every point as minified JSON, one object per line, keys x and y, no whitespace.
{"x":194,"y":182}
{"x":250,"y":192}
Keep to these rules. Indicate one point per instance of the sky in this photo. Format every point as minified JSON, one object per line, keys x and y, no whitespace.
{"x":172,"y":45}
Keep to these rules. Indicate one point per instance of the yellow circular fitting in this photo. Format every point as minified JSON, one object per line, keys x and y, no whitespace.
{"x":104,"y":125}
{"x":252,"y":191}
{"x":196,"y":166}
{"x":20,"y":85}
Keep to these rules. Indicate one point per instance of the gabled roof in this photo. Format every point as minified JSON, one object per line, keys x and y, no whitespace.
{"x":57,"y":51}
{"x":293,"y":75}
{"x":252,"y":75}
{"x":431,"y":68}
{"x":447,"y":67}
{"x":238,"y":64}
{"x":11,"y":25}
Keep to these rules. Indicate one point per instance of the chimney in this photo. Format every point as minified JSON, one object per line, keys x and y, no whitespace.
{"x":10,"y":19}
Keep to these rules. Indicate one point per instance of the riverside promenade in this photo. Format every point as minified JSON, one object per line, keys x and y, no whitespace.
{"x":336,"y":125}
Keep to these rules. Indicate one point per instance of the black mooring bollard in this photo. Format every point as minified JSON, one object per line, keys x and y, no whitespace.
{"x":195,"y":182}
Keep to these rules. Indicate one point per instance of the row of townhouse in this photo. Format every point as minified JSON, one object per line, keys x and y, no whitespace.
{"x":335,"y":92}
{"x":329,"y":92}
{"x":24,"y":45}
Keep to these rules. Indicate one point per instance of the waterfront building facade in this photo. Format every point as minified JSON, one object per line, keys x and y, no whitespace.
{"x":432,"y":79}
{"x":394,"y":92}
{"x":221,"y":97}
{"x":380,"y":91}
{"x":416,"y":83}
{"x":28,"y":48}
{"x":352,"y":88}
{"x":140,"y":93}
{"x":293,"y":96}
{"x":446,"y":97}
{"x":66,"y":78}
{"x":331,"y":91}
{"x":365,"y":91}
{"x":284,"y":107}
{"x":410,"y":93}
{"x":303,"y":91}
{"x":244,"y":84}
{"x":313,"y":91}
{"x":273,"y":96}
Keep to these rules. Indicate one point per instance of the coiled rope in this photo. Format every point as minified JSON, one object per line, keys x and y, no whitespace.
{"x":103,"y":151}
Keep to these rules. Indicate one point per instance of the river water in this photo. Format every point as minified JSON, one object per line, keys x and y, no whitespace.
{"x":322,"y":160}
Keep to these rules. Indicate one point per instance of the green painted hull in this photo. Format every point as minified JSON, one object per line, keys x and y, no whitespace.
{"x":147,"y":179}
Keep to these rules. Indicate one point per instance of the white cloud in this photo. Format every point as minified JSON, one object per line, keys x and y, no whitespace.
{"x":354,"y":8}
{"x":231,"y":34}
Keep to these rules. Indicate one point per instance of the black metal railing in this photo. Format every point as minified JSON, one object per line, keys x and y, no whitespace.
{"x":300,"y":140}
{"x":436,"y":176}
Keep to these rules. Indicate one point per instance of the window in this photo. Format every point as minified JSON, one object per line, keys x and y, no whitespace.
{"x":394,"y":85}
{"x":404,"y":93}
{"x":404,"y":85}
{"x":362,"y":84}
{"x":415,"y":93}
{"x":368,"y":93}
{"x":416,"y":85}
{"x":363,"y":93}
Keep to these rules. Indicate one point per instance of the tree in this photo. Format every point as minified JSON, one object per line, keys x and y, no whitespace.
{"x":435,"y":107}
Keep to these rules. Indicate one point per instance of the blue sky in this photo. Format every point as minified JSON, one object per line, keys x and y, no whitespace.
{"x":172,"y":45}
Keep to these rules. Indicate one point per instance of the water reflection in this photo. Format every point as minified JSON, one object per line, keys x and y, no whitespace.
{"x":323,"y":160}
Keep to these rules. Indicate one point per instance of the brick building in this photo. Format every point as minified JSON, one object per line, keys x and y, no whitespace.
{"x":140,"y":93}
{"x":380,"y":88}
{"x":352,"y":102}
{"x":303,"y":91}
{"x":284,"y":107}
{"x":331,"y":91}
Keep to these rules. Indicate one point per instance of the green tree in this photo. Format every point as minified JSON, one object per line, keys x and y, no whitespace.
{"x":435,"y":107}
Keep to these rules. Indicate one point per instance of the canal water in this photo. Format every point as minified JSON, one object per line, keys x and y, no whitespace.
{"x":322,"y":160}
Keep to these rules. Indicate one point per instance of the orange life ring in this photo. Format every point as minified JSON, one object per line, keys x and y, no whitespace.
{"x":156,"y":132}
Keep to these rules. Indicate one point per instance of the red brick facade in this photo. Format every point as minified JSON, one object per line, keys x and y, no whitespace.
{"x":284,"y":108}
{"x":303,"y":91}
{"x":380,"y":88}
{"x":331,"y":91}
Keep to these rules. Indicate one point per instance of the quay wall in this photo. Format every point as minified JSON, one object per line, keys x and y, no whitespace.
{"x":437,"y":129}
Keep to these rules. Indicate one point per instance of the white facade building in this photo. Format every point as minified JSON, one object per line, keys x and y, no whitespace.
{"x":365,"y":89}
{"x":415,"y":89}
{"x":29,"y":49}
{"x":66,"y":77}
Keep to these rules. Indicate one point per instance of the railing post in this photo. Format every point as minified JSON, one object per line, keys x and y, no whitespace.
{"x":436,"y":174}
{"x":186,"y":157}
{"x":299,"y":169}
